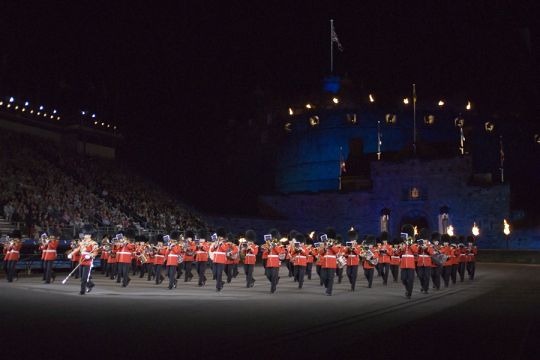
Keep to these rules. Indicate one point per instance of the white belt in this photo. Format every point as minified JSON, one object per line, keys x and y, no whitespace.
{"x":161,"y":256}
{"x":49,"y":251}
{"x":173,"y":255}
{"x":462,"y":255}
{"x":395,"y":257}
{"x":201,"y":252}
{"x":330,"y":256}
{"x":300,"y":256}
{"x":250,"y":254}
{"x":14,"y":251}
{"x":470,"y":254}
{"x":424,"y":255}
{"x":407,"y":255}
{"x":273,"y":256}
{"x":124,"y":253}
{"x":352,"y":255}
{"x":219,"y":253}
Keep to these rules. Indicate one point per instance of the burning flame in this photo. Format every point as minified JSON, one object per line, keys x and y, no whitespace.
{"x":506,"y":228}
{"x":475,"y":230}
{"x":311,"y":234}
{"x":415,"y":230}
{"x":291,"y":112}
{"x":450,"y":230}
{"x":351,"y":229}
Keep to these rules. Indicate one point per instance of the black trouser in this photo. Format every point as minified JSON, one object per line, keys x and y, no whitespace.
{"x":446,"y":270}
{"x":143,"y":270}
{"x":11,"y":270}
{"x":201,"y":269}
{"x":436,"y":276}
{"x":309,"y":267}
{"x":424,"y":273}
{"x":187,"y":267}
{"x":368,"y":273}
{"x":299,"y":272}
{"x":229,"y":271}
{"x":235,"y":270}
{"x":108,"y":269}
{"x":471,"y":268}
{"x":385,"y":270}
{"x":378,"y":268}
{"x":290,"y":267}
{"x":328,"y":275}
{"x":179,"y":271}
{"x":273,"y":276}
{"x":214,"y":271}
{"x":461,"y":271}
{"x":159,"y":277}
{"x":123,"y":273}
{"x":133,"y":266}
{"x":318,"y":269}
{"x":113,"y":271}
{"x":248,"y":269}
{"x":103,"y":265}
{"x":86,"y":278}
{"x":218,"y":268}
{"x":395,"y":272}
{"x":151,"y":270}
{"x":407,"y":278}
{"x":49,"y":272}
{"x":171,"y":274}
{"x":339,"y":273}
{"x":453,"y":274}
{"x":352,"y":274}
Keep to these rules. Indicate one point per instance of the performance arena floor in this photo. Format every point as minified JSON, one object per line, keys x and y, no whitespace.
{"x":496,"y":316}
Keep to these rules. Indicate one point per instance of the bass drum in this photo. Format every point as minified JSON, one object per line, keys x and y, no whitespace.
{"x":439,"y":259}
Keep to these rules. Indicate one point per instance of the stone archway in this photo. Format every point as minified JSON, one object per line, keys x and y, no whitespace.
{"x":415,"y":218}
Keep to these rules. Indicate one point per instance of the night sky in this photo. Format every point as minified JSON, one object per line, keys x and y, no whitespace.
{"x":171,"y":77}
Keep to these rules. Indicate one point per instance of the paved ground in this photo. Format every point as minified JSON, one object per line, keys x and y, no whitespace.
{"x":497,"y":316}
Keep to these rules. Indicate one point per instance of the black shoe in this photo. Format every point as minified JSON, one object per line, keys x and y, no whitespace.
{"x":328,"y":294}
{"x":82,"y":293}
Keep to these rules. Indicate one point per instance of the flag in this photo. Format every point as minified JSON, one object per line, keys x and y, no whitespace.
{"x":335,"y":38}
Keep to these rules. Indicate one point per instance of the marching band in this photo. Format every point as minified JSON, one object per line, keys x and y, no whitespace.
{"x":413,"y":256}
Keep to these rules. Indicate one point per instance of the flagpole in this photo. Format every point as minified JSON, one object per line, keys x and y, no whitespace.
{"x":501,"y":155}
{"x":340,"y":166}
{"x":414,"y":118}
{"x":331,"y":47}
{"x":379,"y":142}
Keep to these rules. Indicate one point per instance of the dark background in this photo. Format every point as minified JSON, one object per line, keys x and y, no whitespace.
{"x":181,"y":81}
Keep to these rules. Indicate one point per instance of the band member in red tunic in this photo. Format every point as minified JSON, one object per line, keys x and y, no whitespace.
{"x":461,"y":259}
{"x":370,"y":259}
{"x":407,"y":252}
{"x":472,"y":251}
{"x":424,"y":264}
{"x":385,"y":252}
{"x":276,"y":253}
{"x":436,"y":269}
{"x":201,"y":257}
{"x":329,"y":252}
{"x":160,"y":255}
{"x":447,"y":266}
{"x":188,"y":251}
{"x":49,"y":244}
{"x":299,"y":255}
{"x":232,"y":254}
{"x":248,"y":253}
{"x":13,"y":250}
{"x":174,"y":253}
{"x":352,"y":251}
{"x":124,"y":256}
{"x":88,"y":250}
{"x":105,"y":251}
{"x":219,"y":249}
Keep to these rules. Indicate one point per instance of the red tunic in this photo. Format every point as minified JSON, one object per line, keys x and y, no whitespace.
{"x":125,"y":254}
{"x":273,"y":256}
{"x":172,"y":255}
{"x":49,"y":250}
{"x":299,"y":256}
{"x":251,"y":255}
{"x":201,"y":254}
{"x":329,"y":257}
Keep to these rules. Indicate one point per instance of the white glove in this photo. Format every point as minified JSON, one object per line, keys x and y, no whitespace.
{"x":87,"y":257}
{"x":70,"y":256}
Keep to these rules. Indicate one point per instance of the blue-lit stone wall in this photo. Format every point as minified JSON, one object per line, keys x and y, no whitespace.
{"x":440,"y":182}
{"x":308,"y":159}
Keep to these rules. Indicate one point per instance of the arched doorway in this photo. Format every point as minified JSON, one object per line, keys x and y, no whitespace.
{"x":415,"y":218}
